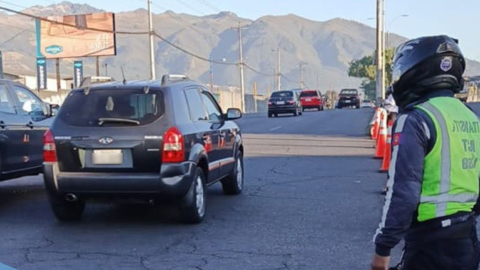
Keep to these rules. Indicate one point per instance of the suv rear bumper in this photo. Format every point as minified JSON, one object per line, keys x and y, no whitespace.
{"x":171,"y":183}
{"x":282,"y":109}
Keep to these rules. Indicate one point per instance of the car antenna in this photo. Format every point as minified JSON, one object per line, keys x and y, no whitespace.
{"x":123,"y":74}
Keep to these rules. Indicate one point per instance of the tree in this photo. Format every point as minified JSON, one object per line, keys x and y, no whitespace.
{"x":365,"y":68}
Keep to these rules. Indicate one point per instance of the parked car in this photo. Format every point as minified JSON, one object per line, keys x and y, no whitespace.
{"x":349,"y":98}
{"x":311,"y":99}
{"x":286,"y":101}
{"x":149,"y":140}
{"x":24,"y":117}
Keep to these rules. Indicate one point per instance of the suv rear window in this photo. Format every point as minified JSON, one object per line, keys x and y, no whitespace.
{"x":309,"y":94}
{"x":131,"y":104}
{"x":282,"y":94}
{"x":349,"y":92}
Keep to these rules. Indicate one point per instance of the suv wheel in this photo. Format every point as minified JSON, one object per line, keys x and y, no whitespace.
{"x":270,"y":115}
{"x":193,"y":206}
{"x":233,"y":183}
{"x":67,"y":211}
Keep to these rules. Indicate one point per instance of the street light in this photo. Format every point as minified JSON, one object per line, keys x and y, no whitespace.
{"x":389,"y":25}
{"x":211,"y":70}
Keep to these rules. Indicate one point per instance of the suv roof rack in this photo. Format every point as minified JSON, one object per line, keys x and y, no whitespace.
{"x":95,"y":80}
{"x":172,"y":78}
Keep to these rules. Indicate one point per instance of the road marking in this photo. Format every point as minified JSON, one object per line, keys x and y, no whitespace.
{"x":276,"y":128}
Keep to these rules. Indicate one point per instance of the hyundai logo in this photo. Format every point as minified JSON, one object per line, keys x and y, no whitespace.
{"x":105,"y":140}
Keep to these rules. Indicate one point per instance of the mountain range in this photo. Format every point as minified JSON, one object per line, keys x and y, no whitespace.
{"x":324,"y":48}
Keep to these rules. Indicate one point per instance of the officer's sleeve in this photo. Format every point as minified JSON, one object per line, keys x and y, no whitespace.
{"x":409,"y":147}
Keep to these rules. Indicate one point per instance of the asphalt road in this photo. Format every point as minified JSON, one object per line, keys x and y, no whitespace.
{"x":311,"y":201}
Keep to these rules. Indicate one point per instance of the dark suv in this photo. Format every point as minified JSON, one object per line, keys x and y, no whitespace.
{"x":286,"y":101}
{"x":24,"y":118}
{"x":149,"y":140}
{"x":349,"y":98}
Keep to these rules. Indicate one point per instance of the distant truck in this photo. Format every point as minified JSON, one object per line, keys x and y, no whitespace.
{"x":349,"y":98}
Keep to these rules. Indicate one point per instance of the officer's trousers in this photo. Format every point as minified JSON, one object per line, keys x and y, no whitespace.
{"x":451,"y":248}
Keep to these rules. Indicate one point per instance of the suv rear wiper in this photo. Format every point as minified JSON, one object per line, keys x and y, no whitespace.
{"x":101,"y":121}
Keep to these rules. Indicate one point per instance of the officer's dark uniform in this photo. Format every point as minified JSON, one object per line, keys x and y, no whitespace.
{"x":439,"y":228}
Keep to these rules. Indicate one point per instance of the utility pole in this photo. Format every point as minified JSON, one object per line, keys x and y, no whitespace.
{"x":57,"y":67}
{"x":379,"y":90}
{"x":211,"y":74}
{"x":255,"y":95}
{"x":279,"y":74}
{"x":274,"y":80}
{"x":301,"y":75}
{"x":240,"y":65}
{"x":318,"y":82}
{"x":152,"y":48}
{"x":97,"y":66}
{"x":384,"y":55}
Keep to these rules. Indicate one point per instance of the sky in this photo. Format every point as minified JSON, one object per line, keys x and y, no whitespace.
{"x":458,"y":18}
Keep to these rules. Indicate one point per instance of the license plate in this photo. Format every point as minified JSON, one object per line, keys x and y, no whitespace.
{"x":347,"y":101}
{"x":280,"y":102}
{"x":107,"y":157}
{"x":308,"y":99}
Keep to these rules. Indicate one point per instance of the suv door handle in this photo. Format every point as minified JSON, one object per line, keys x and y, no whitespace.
{"x":30,"y":125}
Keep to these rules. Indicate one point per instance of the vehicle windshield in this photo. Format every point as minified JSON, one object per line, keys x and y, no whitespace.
{"x":282,"y":94}
{"x":112,"y":107}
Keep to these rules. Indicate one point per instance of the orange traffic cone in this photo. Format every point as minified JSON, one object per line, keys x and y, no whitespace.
{"x":388,"y":148}
{"x":376,"y":122}
{"x":382,"y":138}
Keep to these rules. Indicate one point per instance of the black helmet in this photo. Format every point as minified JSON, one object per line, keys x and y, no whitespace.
{"x":426,"y":64}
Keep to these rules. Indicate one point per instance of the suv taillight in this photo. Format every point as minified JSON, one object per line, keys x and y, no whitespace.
{"x":291,"y":101}
{"x":49,"y":152}
{"x":173,"y":151}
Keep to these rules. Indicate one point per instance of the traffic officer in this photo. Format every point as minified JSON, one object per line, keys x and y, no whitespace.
{"x":433,"y":180}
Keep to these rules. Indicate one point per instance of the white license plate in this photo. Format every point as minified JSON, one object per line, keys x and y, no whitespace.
{"x":347,"y":101}
{"x":280,"y":102}
{"x":107,"y":157}
{"x":308,"y":99}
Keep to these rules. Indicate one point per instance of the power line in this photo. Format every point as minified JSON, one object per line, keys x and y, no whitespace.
{"x":66,"y":24}
{"x":190,"y":7}
{"x":175,"y":20}
{"x":207,"y":4}
{"x":12,"y":4}
{"x":289,"y":80}
{"x":258,"y":72}
{"x":193,"y":54}
{"x":14,"y":36}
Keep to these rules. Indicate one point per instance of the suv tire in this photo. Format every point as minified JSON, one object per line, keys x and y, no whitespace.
{"x":67,"y":211}
{"x":194,"y":203}
{"x":233,"y":183}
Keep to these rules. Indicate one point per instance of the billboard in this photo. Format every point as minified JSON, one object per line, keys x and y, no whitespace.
{"x":85,"y":35}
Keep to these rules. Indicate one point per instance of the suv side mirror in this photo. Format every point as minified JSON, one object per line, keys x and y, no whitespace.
{"x":233,"y":114}
{"x":47,"y":110}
